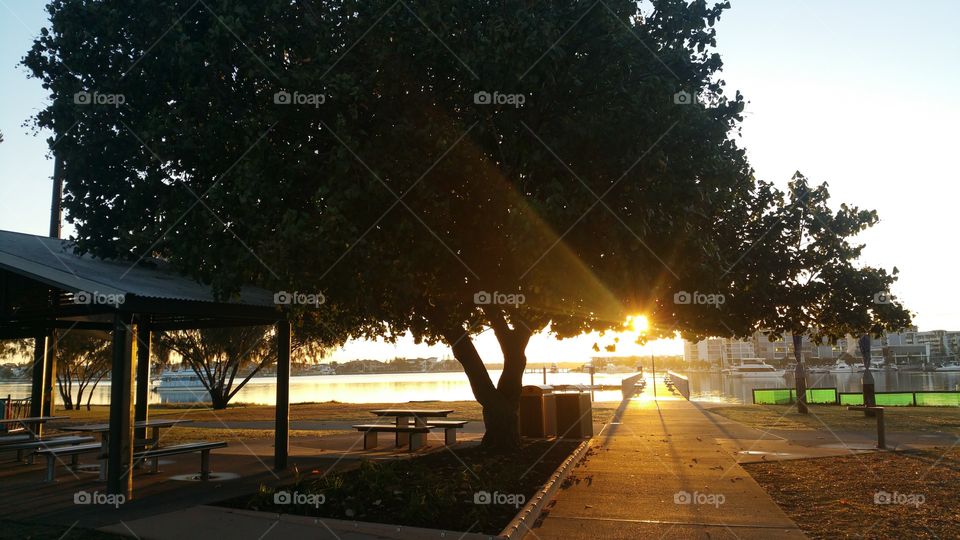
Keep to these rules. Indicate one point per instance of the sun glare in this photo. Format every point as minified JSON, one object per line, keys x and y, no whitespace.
{"x":639,"y":323}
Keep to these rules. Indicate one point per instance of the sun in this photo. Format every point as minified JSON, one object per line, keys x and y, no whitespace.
{"x":639,"y":323}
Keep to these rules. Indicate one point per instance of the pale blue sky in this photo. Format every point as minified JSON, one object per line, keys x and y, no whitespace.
{"x":862,"y":94}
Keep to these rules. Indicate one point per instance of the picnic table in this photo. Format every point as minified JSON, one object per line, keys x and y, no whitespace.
{"x":104,"y":430}
{"x":35,"y":421}
{"x":403,"y":417}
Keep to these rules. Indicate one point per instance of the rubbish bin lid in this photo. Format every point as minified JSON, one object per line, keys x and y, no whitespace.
{"x":536,"y":390}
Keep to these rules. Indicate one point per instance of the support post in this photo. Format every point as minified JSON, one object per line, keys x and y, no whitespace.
{"x":281,"y":442}
{"x":50,"y":376}
{"x":142,"y":402}
{"x":39,"y":372}
{"x":120,"y":446}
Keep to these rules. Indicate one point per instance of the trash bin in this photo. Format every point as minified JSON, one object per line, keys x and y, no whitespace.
{"x":537,"y":411}
{"x":574,"y":415}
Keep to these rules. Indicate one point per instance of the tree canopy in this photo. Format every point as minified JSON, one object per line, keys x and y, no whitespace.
{"x":442,"y":168}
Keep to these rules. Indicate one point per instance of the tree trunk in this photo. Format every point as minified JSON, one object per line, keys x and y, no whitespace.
{"x":218,"y":399}
{"x":500,"y":403}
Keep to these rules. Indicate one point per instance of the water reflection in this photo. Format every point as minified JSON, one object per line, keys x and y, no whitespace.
{"x":405,"y":387}
{"x":724,"y":388}
{"x":365,"y":388}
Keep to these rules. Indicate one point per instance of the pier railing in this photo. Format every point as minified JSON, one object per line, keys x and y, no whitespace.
{"x":681,"y":383}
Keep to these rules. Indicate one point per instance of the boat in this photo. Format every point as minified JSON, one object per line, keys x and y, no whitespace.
{"x":755,"y":368}
{"x":843,"y":367}
{"x":951,"y":367}
{"x":818,"y":370}
{"x":182,"y":380}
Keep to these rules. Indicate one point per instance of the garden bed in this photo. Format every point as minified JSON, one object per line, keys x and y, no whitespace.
{"x":466,"y":489}
{"x":872,"y":496}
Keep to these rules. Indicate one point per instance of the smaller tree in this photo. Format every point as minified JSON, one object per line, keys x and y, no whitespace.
{"x":219,"y":355}
{"x":83,"y":360}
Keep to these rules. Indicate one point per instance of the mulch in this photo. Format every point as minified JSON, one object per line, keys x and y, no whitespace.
{"x":876,"y":495}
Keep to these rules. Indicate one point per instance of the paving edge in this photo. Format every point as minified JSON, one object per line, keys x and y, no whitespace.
{"x":522,"y":523}
{"x":382,"y":530}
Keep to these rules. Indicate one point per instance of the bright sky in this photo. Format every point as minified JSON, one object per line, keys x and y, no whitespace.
{"x":859,"y":93}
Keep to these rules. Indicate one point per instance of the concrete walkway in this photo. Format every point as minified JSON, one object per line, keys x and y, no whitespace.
{"x":658,"y":471}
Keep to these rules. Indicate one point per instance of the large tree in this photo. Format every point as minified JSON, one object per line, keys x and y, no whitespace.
{"x":437,"y":168}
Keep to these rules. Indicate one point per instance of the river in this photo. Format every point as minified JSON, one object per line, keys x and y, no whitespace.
{"x":453,"y":386}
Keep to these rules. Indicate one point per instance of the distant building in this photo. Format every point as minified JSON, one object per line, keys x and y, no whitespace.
{"x":910,"y":348}
{"x":718,"y":350}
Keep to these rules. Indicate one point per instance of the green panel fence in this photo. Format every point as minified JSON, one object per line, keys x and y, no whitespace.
{"x":785,"y":396}
{"x":929,"y":398}
{"x":938,"y":399}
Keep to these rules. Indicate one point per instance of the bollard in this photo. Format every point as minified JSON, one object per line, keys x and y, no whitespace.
{"x":881,"y":428}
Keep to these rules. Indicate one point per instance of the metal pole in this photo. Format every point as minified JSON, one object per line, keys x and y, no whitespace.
{"x":281,"y":441}
{"x":544,"y":375}
{"x":653,"y":366}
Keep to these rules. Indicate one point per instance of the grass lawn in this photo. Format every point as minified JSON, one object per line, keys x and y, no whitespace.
{"x":441,"y":490}
{"x":328,"y":411}
{"x":838,"y":418}
{"x":876,"y":495}
{"x":183,"y":434}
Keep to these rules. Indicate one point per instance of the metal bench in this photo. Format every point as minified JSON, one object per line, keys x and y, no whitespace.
{"x":37,"y":444}
{"x":450,"y":428}
{"x":54,"y":454}
{"x":417,"y":434}
{"x":204,"y":448}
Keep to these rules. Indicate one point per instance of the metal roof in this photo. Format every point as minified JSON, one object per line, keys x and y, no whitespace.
{"x":54,"y":262}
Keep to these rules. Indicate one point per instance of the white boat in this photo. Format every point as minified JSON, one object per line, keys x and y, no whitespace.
{"x":843,"y":367}
{"x":951,"y":367}
{"x":184,"y":379}
{"x":755,"y":368}
{"x":818,"y":370}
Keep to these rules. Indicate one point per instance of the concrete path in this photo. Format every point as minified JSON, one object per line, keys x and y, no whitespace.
{"x":658,"y":471}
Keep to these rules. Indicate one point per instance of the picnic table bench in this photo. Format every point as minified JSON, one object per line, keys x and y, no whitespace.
{"x":37,"y":445}
{"x":411,"y":426}
{"x":104,"y":430}
{"x":26,"y":423}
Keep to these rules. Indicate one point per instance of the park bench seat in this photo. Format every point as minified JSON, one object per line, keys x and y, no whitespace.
{"x":10,"y":439}
{"x":449,"y":427}
{"x":36,"y":444}
{"x":56,"y":453}
{"x":370,"y":431}
{"x":204,"y":448}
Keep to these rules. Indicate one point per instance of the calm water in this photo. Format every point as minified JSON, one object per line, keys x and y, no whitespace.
{"x":404,"y":387}
{"x":722,"y":388}
{"x":367,"y":388}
